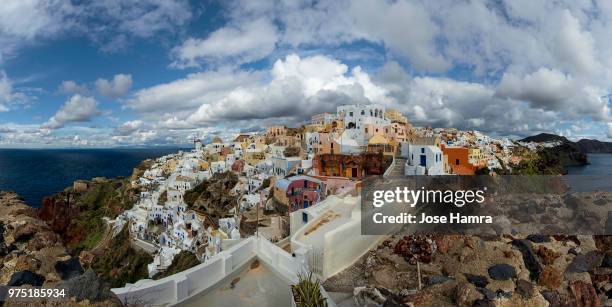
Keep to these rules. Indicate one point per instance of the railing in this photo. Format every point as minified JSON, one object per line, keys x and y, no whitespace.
{"x":390,"y":168}
{"x":183,"y":285}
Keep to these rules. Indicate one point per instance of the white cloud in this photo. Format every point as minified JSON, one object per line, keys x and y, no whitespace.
{"x":6,"y":92}
{"x":245,"y":42}
{"x":8,"y":96}
{"x":109,"y":23}
{"x":554,"y":91}
{"x":129,"y":127}
{"x":190,"y":92}
{"x":299,"y":88}
{"x":77,"y":109}
{"x":115,"y":88}
{"x":71,"y":87}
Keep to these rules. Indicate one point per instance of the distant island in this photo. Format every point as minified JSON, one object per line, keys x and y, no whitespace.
{"x":584,"y":145}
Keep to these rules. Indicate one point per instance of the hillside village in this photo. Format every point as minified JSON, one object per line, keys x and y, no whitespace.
{"x":286,"y":170}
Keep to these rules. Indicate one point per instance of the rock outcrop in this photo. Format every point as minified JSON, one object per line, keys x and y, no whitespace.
{"x":213,"y":197}
{"x":31,"y":253}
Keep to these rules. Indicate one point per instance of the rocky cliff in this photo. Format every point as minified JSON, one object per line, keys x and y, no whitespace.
{"x":213,"y":197}
{"x":551,"y":160}
{"x":33,"y":254}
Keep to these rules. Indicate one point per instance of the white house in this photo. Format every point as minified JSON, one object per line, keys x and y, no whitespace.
{"x":357,"y":116}
{"x":282,"y":166}
{"x":217,"y":167}
{"x":422,"y":160}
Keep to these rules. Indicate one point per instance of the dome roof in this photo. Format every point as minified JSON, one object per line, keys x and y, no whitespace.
{"x":378,"y":140}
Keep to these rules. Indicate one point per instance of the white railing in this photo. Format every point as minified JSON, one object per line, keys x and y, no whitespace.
{"x":390,"y":168}
{"x":177,"y":287}
{"x":184,"y":285}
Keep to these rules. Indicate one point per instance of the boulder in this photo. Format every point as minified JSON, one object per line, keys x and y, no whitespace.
{"x":502,"y":271}
{"x":69,"y":268}
{"x":88,"y":286}
{"x":477,"y":280}
{"x":529,"y":257}
{"x":538,"y":238}
{"x":438,"y":279}
{"x":26,"y":278}
{"x":547,"y":255}
{"x":550,"y":278}
{"x":466,"y":294}
{"x":525,"y":288}
{"x":584,"y":294}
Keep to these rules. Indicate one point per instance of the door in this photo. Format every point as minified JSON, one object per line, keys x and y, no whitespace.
{"x":423,"y":160}
{"x":354,"y":172}
{"x":304,"y":217}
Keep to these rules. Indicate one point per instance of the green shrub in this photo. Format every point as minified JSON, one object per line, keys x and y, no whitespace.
{"x":307,"y":292}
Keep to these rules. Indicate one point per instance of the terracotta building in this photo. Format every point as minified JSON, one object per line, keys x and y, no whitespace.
{"x":354,"y":166}
{"x":458,"y":159}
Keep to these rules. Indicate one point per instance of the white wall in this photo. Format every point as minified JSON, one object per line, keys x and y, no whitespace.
{"x":344,"y":246}
{"x":181,"y":286}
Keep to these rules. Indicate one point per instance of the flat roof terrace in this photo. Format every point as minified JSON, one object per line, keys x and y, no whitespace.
{"x":255,"y":285}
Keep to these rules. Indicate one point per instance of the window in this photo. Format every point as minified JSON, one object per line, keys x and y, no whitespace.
{"x":350,"y":113}
{"x":362,"y":112}
{"x":456,"y":161}
{"x":422,"y":150}
{"x":366,"y":130}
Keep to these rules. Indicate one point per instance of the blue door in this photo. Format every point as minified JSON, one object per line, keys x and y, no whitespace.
{"x":305,"y":204}
{"x":423,"y":160}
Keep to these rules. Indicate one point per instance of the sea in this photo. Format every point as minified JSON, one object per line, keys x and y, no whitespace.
{"x":596,"y":176}
{"x":37,"y":173}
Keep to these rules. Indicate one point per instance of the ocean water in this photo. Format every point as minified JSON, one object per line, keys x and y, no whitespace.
{"x":36,"y":173}
{"x":596,"y":176}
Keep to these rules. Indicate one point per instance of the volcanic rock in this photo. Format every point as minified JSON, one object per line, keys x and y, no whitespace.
{"x":538,"y":238}
{"x":584,"y":294}
{"x":502,"y":271}
{"x":529,"y":257}
{"x":525,"y":288}
{"x":547,"y":255}
{"x":26,"y":278}
{"x":88,"y":286}
{"x":550,"y":278}
{"x":477,"y":280}
{"x":69,"y":268}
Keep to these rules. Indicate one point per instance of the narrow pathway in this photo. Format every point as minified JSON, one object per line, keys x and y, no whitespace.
{"x":398,"y":169}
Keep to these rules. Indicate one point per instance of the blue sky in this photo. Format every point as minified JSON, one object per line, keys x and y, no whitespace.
{"x":133,"y":73}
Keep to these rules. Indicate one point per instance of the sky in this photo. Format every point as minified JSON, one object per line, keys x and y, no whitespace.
{"x":112,"y":73}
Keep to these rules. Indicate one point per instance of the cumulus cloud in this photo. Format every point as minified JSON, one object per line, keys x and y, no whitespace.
{"x":76,"y":109}
{"x":71,"y":87}
{"x":6,"y":91}
{"x":245,"y":42}
{"x":8,"y":96}
{"x":293,"y":89}
{"x":190,"y":92}
{"x":129,"y":127}
{"x":110,"y":23}
{"x":552,"y":90}
{"x":115,"y":88}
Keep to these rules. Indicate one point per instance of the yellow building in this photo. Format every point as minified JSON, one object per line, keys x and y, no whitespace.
{"x":476,"y":157}
{"x":396,"y":116}
{"x":379,"y":143}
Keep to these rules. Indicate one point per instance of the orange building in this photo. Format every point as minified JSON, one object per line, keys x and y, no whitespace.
{"x":458,"y":159}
